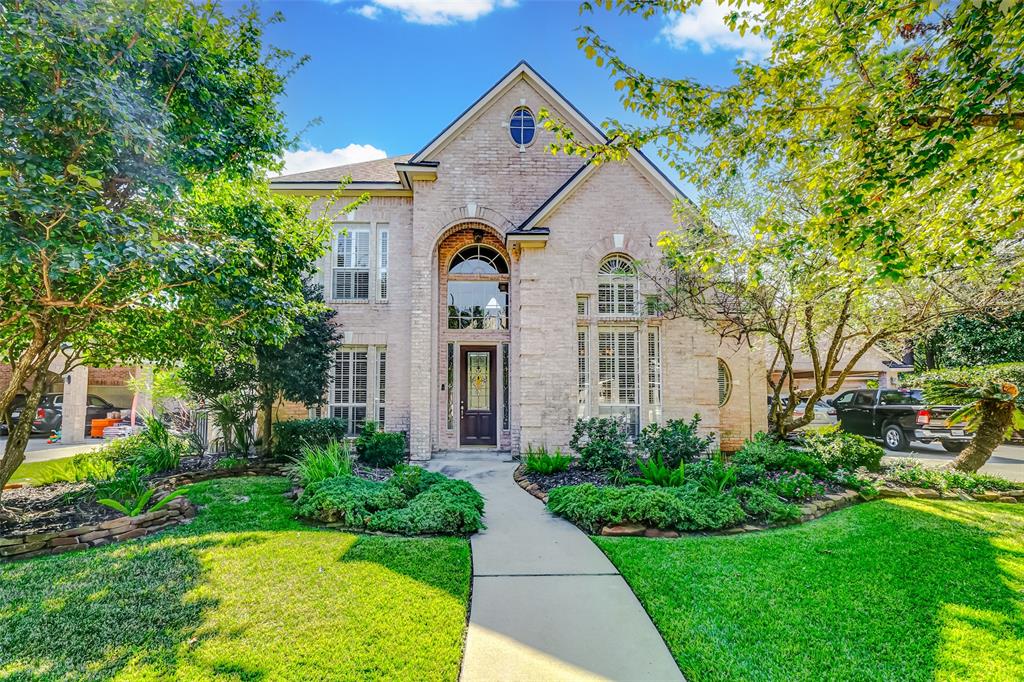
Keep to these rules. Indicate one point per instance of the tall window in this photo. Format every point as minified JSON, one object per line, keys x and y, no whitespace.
{"x":582,"y":373}
{"x":617,"y":376}
{"x":616,"y":287}
{"x":382,"y":262}
{"x":382,"y":375}
{"x":478,"y":289}
{"x":350,"y":388}
{"x":352,"y":265}
{"x":653,"y":376}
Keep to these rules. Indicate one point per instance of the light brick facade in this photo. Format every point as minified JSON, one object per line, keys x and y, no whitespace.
{"x":555,"y":222}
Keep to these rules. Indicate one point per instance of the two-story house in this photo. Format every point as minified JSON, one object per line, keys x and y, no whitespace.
{"x":489,"y":297}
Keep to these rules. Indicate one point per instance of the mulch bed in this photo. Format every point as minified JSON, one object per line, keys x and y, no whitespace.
{"x":574,"y":475}
{"x":51,"y":508}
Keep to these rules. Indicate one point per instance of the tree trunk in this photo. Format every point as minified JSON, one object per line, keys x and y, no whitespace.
{"x":268,"y":426}
{"x":996,"y":418}
{"x":17,"y":440}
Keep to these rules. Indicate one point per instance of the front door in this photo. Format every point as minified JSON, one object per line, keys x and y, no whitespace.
{"x":478,"y":403}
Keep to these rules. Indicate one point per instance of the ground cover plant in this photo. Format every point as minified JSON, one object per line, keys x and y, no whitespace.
{"x":244,"y":592}
{"x":866,"y":593}
{"x":412,"y":502}
{"x":912,"y":473}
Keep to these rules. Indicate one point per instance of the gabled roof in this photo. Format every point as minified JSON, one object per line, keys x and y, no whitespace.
{"x":522,"y":70}
{"x":378,"y":170}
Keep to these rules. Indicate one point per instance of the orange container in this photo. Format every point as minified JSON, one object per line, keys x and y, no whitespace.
{"x":96,"y":431}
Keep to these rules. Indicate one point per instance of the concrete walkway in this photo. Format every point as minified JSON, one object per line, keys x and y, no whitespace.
{"x":547,"y":604}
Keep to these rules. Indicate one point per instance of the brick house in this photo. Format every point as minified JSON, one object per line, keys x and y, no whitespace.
{"x":488,"y":293}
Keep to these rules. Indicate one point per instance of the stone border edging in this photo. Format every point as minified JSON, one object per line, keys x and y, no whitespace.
{"x":177,"y":511}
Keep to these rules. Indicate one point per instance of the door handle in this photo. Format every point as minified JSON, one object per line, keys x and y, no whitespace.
{"x":462,"y":409}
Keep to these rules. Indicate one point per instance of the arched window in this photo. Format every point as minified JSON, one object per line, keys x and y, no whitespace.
{"x":616,"y":286}
{"x":478,"y":289}
{"x":724,"y":383}
{"x":478,"y":260}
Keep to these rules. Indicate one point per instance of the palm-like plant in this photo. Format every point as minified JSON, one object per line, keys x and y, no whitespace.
{"x":992,"y":405}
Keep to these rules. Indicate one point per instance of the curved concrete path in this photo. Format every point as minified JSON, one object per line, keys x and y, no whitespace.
{"x":547,"y":604}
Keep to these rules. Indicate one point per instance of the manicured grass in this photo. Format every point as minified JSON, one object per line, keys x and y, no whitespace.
{"x":890,"y":590}
{"x":33,"y":473}
{"x":244,"y":592}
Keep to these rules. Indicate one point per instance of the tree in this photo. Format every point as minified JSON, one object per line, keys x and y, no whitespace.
{"x":801,"y":295}
{"x":904,"y":120}
{"x":255,"y":376}
{"x":967,"y":341}
{"x":135,"y":219}
{"x":992,"y":405}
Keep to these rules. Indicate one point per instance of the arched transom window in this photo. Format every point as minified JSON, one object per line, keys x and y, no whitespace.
{"x":616,"y":286}
{"x":478,"y":289}
{"x":478,"y":260}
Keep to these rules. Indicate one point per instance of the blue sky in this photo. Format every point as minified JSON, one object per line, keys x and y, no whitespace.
{"x":385,"y":76}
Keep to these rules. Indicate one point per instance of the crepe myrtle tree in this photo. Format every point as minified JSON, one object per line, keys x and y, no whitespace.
{"x":135,"y":219}
{"x":991,"y":400}
{"x":756,"y":276}
{"x":904,"y":118}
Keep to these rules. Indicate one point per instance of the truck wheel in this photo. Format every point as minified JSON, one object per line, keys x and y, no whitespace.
{"x":894,"y":438}
{"x":954,"y":445}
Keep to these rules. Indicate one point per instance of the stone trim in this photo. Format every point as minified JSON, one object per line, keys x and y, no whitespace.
{"x":177,"y":511}
{"x":809,"y":511}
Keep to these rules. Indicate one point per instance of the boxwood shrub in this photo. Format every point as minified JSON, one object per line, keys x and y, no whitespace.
{"x":412,"y":502}
{"x":379,"y":448}
{"x":842,"y":450}
{"x":291,"y":435}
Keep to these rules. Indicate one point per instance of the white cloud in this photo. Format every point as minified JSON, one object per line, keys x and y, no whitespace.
{"x":314,"y":158}
{"x":368,"y":11}
{"x":704,"y":26}
{"x":433,"y":12}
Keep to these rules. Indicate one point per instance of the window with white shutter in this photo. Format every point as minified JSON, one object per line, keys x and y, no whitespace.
{"x":617,"y":287}
{"x":617,"y":377}
{"x":653,"y":376}
{"x":350,"y":387}
{"x":382,"y":375}
{"x":582,"y":373}
{"x":352,"y":265}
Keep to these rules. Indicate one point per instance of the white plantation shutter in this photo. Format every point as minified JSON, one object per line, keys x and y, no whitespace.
{"x":349,"y":387}
{"x":724,"y":383}
{"x":382,"y":258}
{"x":617,"y":374}
{"x":616,"y":287}
{"x":352,"y":265}
{"x":582,"y":373}
{"x":382,"y":374}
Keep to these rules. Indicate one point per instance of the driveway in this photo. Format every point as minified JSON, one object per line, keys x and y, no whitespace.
{"x":39,"y":450}
{"x":1007,"y":461}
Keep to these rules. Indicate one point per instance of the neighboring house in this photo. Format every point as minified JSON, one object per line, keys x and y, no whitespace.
{"x":488,"y":295}
{"x":876,"y":365}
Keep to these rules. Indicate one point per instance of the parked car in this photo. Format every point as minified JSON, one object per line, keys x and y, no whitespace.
{"x":50,"y":413}
{"x":824,"y":414}
{"x":898,"y":416}
{"x":15,"y":413}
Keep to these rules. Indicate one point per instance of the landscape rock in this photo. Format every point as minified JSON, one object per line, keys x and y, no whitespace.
{"x":1008,"y":500}
{"x":660,"y":533}
{"x":624,"y":529}
{"x":924,"y":493}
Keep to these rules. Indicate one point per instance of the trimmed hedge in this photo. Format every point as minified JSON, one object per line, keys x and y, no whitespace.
{"x":412,"y":502}
{"x":843,"y":450}
{"x":291,"y":435}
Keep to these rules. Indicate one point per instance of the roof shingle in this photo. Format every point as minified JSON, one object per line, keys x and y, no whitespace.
{"x":378,"y":170}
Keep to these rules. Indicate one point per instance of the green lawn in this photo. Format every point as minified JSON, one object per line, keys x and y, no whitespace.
{"x":890,"y":590}
{"x":31,"y":473}
{"x":243,"y":593}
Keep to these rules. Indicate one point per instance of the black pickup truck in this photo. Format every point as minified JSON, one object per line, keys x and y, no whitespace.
{"x":898,"y":416}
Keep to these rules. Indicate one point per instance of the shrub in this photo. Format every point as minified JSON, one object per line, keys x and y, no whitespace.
{"x":291,"y":435}
{"x":774,"y":455}
{"x":320,"y":462}
{"x":378,"y":448}
{"x":668,"y":508}
{"x":677,"y":441}
{"x":349,"y":500}
{"x":600,"y":443}
{"x":761,"y":504}
{"x":448,"y":507}
{"x":842,"y":450}
{"x":540,"y":462}
{"x":88,"y":466}
{"x":713,"y":476}
{"x":413,"y":480}
{"x":126,"y":486}
{"x":413,"y":502}
{"x":160,"y":449}
{"x":913,"y":473}
{"x":793,"y":485}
